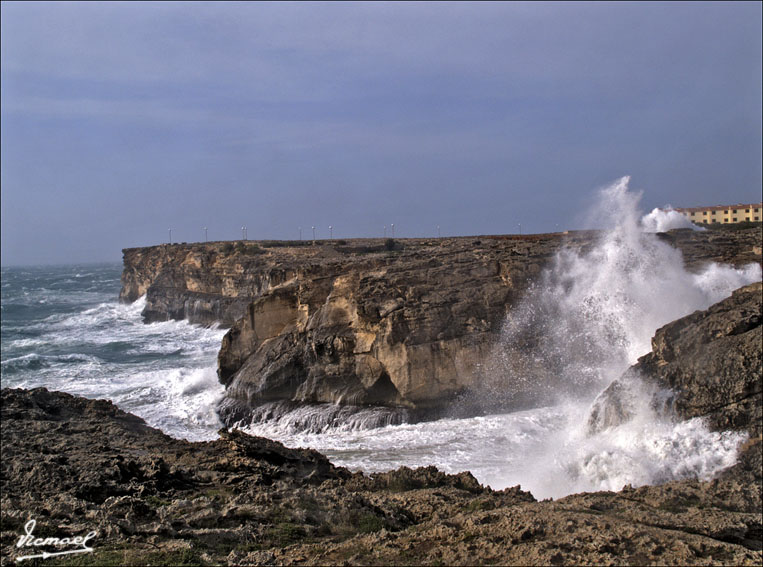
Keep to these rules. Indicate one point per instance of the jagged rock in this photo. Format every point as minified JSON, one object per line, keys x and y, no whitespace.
{"x":711,"y":360}
{"x":79,"y":465}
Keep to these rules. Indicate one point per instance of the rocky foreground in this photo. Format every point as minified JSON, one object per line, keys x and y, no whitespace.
{"x":77,"y":465}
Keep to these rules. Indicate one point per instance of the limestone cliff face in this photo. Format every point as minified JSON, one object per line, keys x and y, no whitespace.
{"x":203,"y":283}
{"x":404,"y":324}
{"x":403,"y":328}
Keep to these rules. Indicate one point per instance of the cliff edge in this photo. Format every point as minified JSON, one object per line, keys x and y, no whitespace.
{"x":402,"y":324}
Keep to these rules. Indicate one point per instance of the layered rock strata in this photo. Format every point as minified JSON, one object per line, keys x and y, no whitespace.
{"x":404,"y":323}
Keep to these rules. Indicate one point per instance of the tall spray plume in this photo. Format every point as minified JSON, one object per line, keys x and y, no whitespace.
{"x":588,"y":318}
{"x":594,"y":310}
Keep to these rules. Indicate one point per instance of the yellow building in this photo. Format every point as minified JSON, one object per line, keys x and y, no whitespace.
{"x":724,"y":214}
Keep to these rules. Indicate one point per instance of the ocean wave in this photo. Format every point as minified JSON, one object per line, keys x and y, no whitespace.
{"x":35,"y":361}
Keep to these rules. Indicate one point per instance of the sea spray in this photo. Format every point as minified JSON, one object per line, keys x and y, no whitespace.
{"x":591,"y":315}
{"x":585,"y":321}
{"x":593,"y":312}
{"x":663,"y":220}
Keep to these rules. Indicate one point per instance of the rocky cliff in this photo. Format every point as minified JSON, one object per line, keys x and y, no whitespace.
{"x":710,"y":362}
{"x":397,"y":323}
{"x":403,"y":324}
{"x":77,"y":465}
{"x":713,"y":363}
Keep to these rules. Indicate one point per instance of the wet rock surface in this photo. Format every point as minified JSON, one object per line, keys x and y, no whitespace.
{"x":711,"y":360}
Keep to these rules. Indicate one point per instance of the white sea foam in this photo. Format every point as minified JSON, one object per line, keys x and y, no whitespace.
{"x":546,"y":450}
{"x":590,"y":316}
{"x":179,"y":401}
{"x":163,"y":372}
{"x":663,"y":220}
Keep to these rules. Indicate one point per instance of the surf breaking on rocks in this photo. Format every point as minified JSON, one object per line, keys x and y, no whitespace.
{"x":589,"y":316}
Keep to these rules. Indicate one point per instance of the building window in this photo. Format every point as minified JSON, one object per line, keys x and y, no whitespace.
{"x":747,"y":210}
{"x":735,"y":211}
{"x":734,"y":219}
{"x":725,"y":220}
{"x":756,"y":218}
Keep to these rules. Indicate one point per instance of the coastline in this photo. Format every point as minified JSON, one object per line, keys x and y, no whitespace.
{"x":78,"y":465}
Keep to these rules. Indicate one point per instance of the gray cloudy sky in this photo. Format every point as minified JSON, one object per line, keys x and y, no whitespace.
{"x":121,"y":120}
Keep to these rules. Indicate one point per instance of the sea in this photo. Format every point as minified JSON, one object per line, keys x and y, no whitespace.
{"x":63,"y":328}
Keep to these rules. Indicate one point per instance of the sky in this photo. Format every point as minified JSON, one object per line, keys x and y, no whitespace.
{"x":120,"y":121}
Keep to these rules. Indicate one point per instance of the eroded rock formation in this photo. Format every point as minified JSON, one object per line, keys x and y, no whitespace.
{"x":77,"y":465}
{"x":392,"y":323}
{"x":713,"y":363}
{"x":708,"y":364}
{"x":404,"y":324}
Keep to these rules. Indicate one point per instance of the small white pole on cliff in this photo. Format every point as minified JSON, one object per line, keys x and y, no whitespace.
{"x":205,"y":234}
{"x":385,"y":231}
{"x":520,"y":228}
{"x":438,"y":231}
{"x":331,"y":232}
{"x":313,"y":234}
{"x":392,"y":226}
{"x":170,"y":231}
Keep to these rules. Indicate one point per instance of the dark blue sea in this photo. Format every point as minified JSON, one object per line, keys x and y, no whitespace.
{"x":63,"y":328}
